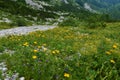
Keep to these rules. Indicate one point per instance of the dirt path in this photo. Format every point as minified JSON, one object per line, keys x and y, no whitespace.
{"x":24,"y":30}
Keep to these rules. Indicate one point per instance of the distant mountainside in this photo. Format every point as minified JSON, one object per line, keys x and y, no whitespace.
{"x":20,"y":12}
{"x":41,"y":11}
{"x":111,"y":7}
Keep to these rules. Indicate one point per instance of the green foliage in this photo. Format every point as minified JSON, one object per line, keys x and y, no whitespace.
{"x":92,"y":21}
{"x":80,"y":53}
{"x":1,"y":48}
{"x":95,"y":25}
{"x":110,"y":7}
{"x":4,"y":25}
{"x":16,"y":8}
{"x":96,"y":21}
{"x":1,"y":75}
{"x":19,"y":22}
{"x":69,"y":22}
{"x":96,"y":66}
{"x":103,"y":47}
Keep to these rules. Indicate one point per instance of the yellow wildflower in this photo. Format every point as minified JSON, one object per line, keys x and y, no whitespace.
{"x":112,"y":61}
{"x":35,"y":42}
{"x":26,"y":44}
{"x":66,"y":75}
{"x":35,"y":51}
{"x":53,"y":52}
{"x":34,"y":57}
{"x":108,"y":52}
{"x":114,"y":46}
{"x":57,"y":51}
{"x":39,"y":47}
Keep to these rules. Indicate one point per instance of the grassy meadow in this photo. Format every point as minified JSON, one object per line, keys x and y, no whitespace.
{"x":64,"y":53}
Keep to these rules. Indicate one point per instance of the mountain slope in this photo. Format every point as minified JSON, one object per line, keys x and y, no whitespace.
{"x":57,"y":12}
{"x":111,"y":7}
{"x":41,"y":11}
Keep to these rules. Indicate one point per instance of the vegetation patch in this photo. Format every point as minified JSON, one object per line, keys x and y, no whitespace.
{"x":64,"y":54}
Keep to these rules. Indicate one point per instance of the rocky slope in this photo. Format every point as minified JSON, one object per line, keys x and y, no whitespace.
{"x":39,"y":11}
{"x":30,"y":12}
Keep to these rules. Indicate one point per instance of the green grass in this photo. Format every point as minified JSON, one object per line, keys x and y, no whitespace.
{"x":65,"y":53}
{"x":4,"y":25}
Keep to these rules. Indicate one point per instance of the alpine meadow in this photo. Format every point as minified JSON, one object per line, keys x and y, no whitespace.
{"x":59,"y":40}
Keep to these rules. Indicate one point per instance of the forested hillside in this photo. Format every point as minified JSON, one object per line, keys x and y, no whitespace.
{"x":111,"y":7}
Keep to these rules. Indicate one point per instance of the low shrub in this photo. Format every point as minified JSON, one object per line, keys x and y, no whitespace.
{"x":70,"y":21}
{"x":4,"y":25}
{"x":19,"y":22}
{"x":93,"y":25}
{"x":1,"y":48}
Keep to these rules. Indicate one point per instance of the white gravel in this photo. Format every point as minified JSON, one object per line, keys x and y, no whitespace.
{"x":24,"y":30}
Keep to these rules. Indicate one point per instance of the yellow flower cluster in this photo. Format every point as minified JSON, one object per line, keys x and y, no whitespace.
{"x":39,"y":47}
{"x":112,"y":61}
{"x":111,"y":51}
{"x":114,"y":46}
{"x":26,"y":44}
{"x":35,"y":51}
{"x":35,"y":42}
{"x":34,"y":57}
{"x":66,"y":75}
{"x":55,"y":52}
{"x":108,"y":52}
